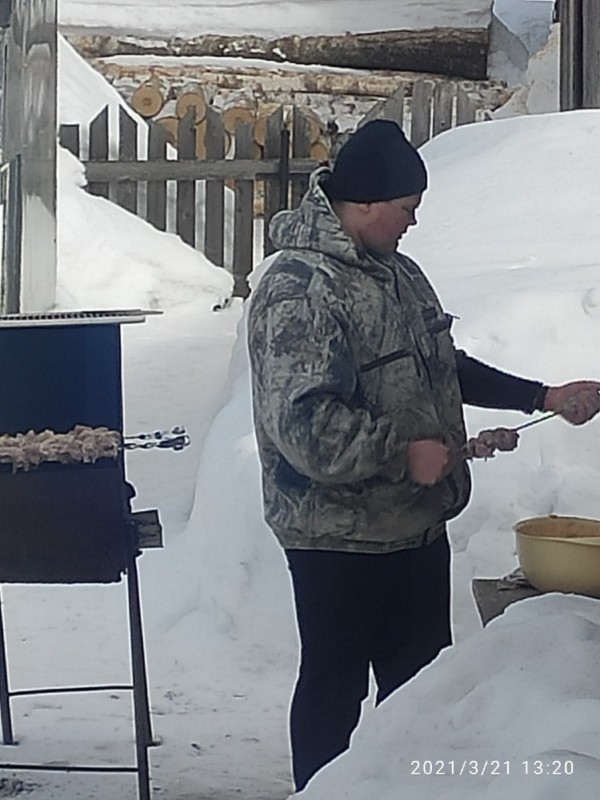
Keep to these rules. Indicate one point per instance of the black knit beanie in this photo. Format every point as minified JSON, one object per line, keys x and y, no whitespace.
{"x":376,"y":163}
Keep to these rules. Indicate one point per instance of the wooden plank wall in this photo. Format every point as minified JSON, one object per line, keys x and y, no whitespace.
{"x":579,"y":54}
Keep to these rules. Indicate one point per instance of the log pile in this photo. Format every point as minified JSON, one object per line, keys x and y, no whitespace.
{"x":455,"y":52}
{"x":332,"y":100}
{"x":261,"y":81}
{"x":242,"y":111}
{"x":248,"y":93}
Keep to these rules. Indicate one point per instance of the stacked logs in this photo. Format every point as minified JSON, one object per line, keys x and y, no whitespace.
{"x":149,"y":101}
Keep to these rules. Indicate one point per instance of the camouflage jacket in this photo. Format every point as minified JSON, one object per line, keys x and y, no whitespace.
{"x":351,"y":359}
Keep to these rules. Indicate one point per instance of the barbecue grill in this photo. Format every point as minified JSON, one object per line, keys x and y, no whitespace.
{"x":65,"y":503}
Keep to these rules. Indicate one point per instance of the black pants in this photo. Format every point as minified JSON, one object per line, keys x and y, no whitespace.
{"x":356,"y":610}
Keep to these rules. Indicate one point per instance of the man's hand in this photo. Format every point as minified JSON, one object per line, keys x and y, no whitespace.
{"x":429,"y":461}
{"x":577,"y":402}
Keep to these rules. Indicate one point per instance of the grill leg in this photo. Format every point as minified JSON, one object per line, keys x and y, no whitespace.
{"x":141,"y":706}
{"x":7,"y":731}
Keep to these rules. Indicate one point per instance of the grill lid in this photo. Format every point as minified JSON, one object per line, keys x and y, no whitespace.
{"x":46,"y":318}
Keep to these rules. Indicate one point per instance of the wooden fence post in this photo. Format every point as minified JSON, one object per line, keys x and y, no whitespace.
{"x":214,"y":204}
{"x":465,"y":108}
{"x":300,"y":149}
{"x":284,"y":168}
{"x":156,"y":202}
{"x":272,"y":193}
{"x":69,"y":138}
{"x":571,"y":54}
{"x":392,"y":108}
{"x":99,"y":149}
{"x":420,"y":112}
{"x":443,"y":102}
{"x":591,"y":53}
{"x":243,"y":235}
{"x":186,"y":190}
{"x":395,"y":107}
{"x":127,"y":191}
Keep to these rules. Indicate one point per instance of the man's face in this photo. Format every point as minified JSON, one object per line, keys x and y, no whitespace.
{"x":382,"y":225}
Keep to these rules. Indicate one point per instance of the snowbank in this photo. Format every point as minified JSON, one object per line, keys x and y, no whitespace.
{"x":503,"y":715}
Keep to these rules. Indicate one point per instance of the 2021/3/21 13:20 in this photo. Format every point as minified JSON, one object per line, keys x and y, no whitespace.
{"x":491,"y":767}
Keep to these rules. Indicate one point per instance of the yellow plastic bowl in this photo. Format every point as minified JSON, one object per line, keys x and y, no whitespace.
{"x":560,"y":554}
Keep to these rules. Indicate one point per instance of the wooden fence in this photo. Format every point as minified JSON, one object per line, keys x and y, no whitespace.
{"x":432,"y":108}
{"x":144,"y":185}
{"x":165,"y":185}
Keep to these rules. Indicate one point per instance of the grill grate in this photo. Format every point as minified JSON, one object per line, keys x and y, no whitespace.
{"x":45,"y":318}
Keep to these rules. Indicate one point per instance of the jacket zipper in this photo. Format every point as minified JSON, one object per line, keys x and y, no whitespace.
{"x":382,"y":360}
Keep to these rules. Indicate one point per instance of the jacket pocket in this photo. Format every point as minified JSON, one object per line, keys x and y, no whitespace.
{"x":288,"y":479}
{"x":439,"y":349}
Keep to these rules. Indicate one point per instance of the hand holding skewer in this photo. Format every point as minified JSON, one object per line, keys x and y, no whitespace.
{"x":576,"y":402}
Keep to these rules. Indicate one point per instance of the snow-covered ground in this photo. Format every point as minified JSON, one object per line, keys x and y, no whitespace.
{"x":508,"y":234}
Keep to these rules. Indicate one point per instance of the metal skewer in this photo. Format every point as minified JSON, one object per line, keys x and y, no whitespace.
{"x":535,"y":421}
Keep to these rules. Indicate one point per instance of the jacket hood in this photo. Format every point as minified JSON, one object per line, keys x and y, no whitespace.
{"x":314,"y":225}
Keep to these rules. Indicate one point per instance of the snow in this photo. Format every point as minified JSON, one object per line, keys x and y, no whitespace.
{"x":272,"y":18}
{"x":496,"y":709}
{"x":82,"y":91}
{"x":529,"y":20}
{"x":508,"y":234}
{"x":539,"y":89}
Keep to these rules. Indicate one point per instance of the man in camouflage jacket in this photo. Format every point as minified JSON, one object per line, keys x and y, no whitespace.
{"x":357,"y":396}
